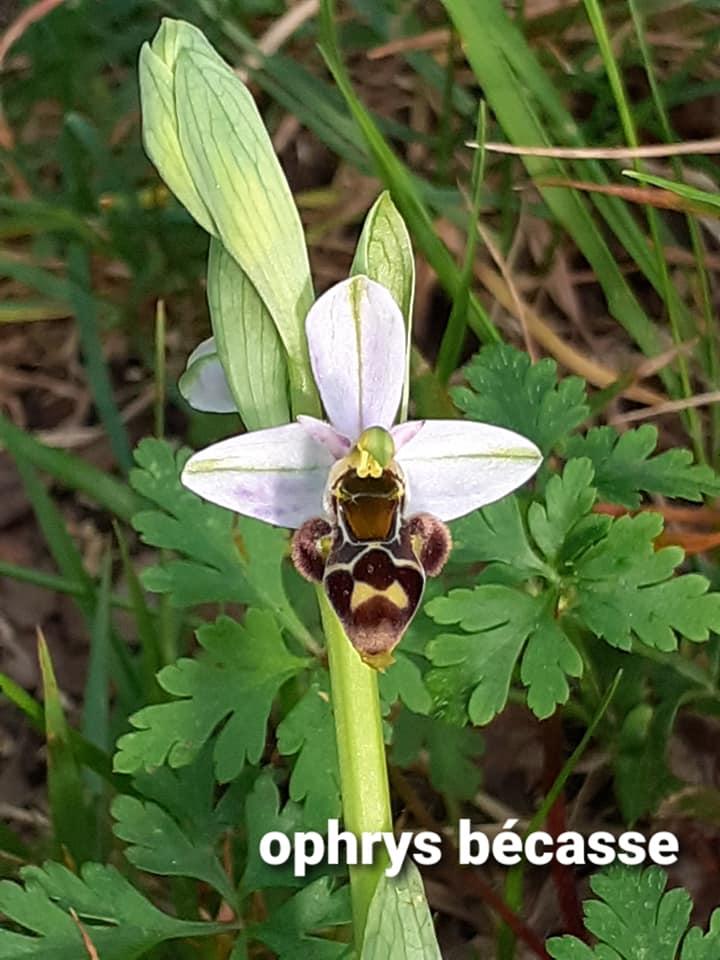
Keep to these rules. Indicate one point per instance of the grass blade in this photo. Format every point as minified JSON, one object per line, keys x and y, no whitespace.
{"x":145,"y":623}
{"x":705,"y":296}
{"x":692,"y":418}
{"x":51,"y":581}
{"x":94,"y":360}
{"x":506,"y":69}
{"x":62,"y":547}
{"x":71,"y":472}
{"x":48,"y":581}
{"x":65,"y":792}
{"x":96,"y":702}
{"x":27,"y":311}
{"x":70,"y":563}
{"x":160,"y":369}
{"x":454,"y":336}
{"x":514,"y":881}
{"x":401,"y":184}
{"x":87,"y":753}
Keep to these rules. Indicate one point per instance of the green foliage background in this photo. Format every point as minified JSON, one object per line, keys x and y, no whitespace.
{"x":214,"y":725}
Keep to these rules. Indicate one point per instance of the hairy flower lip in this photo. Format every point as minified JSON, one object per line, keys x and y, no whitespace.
{"x":356,"y":338}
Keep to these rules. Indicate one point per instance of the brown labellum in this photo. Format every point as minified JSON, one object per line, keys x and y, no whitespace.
{"x":372,"y":562}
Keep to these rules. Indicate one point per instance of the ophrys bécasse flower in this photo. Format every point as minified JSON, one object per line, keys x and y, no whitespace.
{"x":368,"y":498}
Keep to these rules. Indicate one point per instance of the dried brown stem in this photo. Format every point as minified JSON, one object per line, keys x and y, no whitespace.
{"x":563,"y":876}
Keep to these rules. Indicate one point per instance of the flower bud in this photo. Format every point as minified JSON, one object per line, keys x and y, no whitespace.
{"x":204,"y":133}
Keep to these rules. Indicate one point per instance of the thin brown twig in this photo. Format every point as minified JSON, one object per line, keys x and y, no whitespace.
{"x":506,"y":272}
{"x":652,"y":365}
{"x":87,"y":942}
{"x":710,"y":145}
{"x":563,"y":876}
{"x":695,"y":516}
{"x":671,"y":406}
{"x":654,"y":196}
{"x":422,"y":41}
{"x":13,"y":33}
{"x":565,"y":353}
{"x":278,"y":33}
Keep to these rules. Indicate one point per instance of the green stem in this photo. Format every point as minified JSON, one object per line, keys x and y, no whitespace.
{"x":361,"y":756}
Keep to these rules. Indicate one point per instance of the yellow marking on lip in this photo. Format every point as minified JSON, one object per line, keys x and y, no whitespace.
{"x":365,"y":591}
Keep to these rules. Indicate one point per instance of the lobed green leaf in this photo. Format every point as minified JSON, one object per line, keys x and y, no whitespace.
{"x":624,"y":467}
{"x":568,"y":498}
{"x":507,"y":390}
{"x":308,"y":732}
{"x":452,"y":752}
{"x":634,"y":917}
{"x":403,"y":680}
{"x":497,"y":534}
{"x":625,"y":589}
{"x":292,"y":929}
{"x":232,"y":683}
{"x":118,"y":920}
{"x":263,"y":815}
{"x":497,"y":621}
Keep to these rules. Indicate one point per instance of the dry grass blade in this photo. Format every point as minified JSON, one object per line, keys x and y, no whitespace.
{"x":598,"y":374}
{"x":711,"y":145}
{"x":669,"y":406}
{"x":13,"y":33}
{"x":702,"y":517}
{"x":278,"y":33}
{"x":705,"y":520}
{"x":20,"y":24}
{"x":505,"y":270}
{"x":649,"y":196}
{"x":690,"y":542}
{"x":87,"y":942}
{"x":424,"y":41}
{"x":652,"y":365}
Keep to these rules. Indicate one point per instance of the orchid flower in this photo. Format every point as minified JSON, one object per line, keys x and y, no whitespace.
{"x":356,"y":337}
{"x":435,"y":470}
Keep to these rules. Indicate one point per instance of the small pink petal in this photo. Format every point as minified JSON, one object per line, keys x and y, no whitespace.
{"x":337,"y":444}
{"x":404,"y":432}
{"x":276,"y":475}
{"x":356,"y":336}
{"x":455,"y":466}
